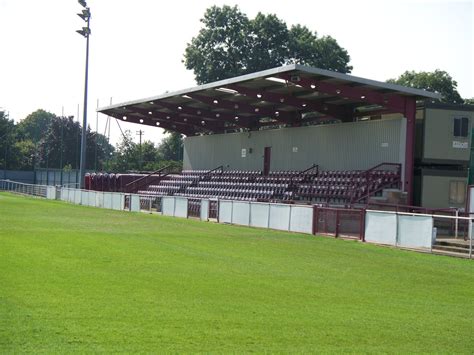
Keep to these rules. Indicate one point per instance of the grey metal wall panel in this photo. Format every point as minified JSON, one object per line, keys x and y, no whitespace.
{"x":345,"y":146}
{"x":439,"y":141}
{"x":27,"y":177}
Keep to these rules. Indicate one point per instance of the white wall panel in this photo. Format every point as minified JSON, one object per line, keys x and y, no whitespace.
{"x":107,"y":200}
{"x":72,"y":195}
{"x":415,"y":231}
{"x":279,"y":217}
{"x":225,"y":211}
{"x":91,"y":198}
{"x":135,"y":203}
{"x":51,"y":192}
{"x":64,"y":194}
{"x":168,"y":204}
{"x":301,"y":219}
{"x":117,"y":201}
{"x":181,"y":207}
{"x":241,"y":213}
{"x":99,"y":199}
{"x":259,"y":214}
{"x":381,"y":227}
{"x":204,"y":210}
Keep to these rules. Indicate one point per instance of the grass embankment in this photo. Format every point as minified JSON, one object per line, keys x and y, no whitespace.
{"x":82,"y":279}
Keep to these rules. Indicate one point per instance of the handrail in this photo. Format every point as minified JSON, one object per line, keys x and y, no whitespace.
{"x":144,"y":177}
{"x":411,"y":207}
{"x":380,"y":188}
{"x":142,"y":181}
{"x":366,"y":174}
{"x":210,"y":171}
{"x":310,"y":168}
{"x":382,"y":164}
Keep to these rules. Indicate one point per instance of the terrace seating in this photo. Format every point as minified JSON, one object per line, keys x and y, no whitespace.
{"x":337,"y":186}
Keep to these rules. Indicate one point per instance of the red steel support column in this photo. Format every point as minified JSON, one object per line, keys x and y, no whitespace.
{"x":410,"y":114}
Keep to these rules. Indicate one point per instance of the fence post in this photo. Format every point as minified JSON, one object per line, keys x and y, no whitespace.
{"x":315,"y":220}
{"x":362,"y":225}
{"x":456,"y":225}
{"x":470,"y":237}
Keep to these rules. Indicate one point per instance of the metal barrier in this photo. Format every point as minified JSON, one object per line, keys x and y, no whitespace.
{"x":339,"y":222}
{"x":194,"y":207}
{"x":26,"y":189}
{"x":433,"y":232}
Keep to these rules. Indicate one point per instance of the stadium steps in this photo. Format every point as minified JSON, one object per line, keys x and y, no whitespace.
{"x":459,"y":247}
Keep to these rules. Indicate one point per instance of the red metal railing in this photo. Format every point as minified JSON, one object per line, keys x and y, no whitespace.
{"x":194,"y":207}
{"x":339,"y":222}
{"x":146,"y":180}
{"x":367,"y":180}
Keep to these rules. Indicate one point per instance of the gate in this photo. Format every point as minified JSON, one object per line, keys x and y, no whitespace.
{"x":339,"y":222}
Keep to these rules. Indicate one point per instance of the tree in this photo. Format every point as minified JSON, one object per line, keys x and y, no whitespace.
{"x":60,"y":146}
{"x":129,"y":156}
{"x":7,"y":137}
{"x":22,"y":155}
{"x":35,"y":125}
{"x":171,"y":147}
{"x":230,"y":44}
{"x":438,"y":81}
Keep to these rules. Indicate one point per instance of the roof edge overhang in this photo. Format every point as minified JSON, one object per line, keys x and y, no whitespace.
{"x":403,"y":90}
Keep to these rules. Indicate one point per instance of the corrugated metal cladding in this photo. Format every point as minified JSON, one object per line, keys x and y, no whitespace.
{"x":345,"y":146}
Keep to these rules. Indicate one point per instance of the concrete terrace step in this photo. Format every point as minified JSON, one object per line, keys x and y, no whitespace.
{"x":453,"y":242}
{"x":454,"y":249}
{"x":450,"y":253}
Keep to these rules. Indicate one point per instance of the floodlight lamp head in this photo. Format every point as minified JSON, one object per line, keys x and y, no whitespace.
{"x":85,"y":15}
{"x":82,"y":2}
{"x":84,"y":32}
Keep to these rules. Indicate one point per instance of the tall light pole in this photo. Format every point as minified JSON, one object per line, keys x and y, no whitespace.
{"x":85,"y":32}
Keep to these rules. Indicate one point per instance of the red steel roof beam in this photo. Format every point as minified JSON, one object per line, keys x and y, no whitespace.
{"x":196,"y":121}
{"x":205,"y":114}
{"x":183,"y":129}
{"x":302,"y":104}
{"x":258,"y":112}
{"x":391,"y":101}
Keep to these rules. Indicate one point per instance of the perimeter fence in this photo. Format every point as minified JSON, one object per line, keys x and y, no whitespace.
{"x":419,"y":231}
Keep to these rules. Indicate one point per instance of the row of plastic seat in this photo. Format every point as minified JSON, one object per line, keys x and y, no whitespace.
{"x":176,"y":182}
{"x":242,"y":184}
{"x":230,"y":195}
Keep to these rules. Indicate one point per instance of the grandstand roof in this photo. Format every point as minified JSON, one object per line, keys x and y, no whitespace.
{"x":291,"y":95}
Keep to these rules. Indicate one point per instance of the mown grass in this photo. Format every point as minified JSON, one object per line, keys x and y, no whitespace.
{"x":79,"y":279}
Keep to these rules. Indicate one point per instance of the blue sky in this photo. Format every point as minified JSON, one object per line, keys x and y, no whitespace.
{"x":137,"y":46}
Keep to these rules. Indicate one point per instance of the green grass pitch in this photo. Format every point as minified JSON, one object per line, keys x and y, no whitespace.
{"x":80,"y":279}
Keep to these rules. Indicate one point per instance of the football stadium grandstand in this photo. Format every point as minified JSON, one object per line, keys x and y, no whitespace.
{"x":297,"y":133}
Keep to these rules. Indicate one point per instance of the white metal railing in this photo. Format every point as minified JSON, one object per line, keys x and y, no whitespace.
{"x":24,"y":189}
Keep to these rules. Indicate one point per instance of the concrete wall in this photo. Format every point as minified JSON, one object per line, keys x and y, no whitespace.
{"x":439,"y":143}
{"x":345,"y":146}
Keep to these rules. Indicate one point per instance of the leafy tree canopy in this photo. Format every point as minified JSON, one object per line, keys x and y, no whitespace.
{"x":231,"y":44}
{"x":171,"y":147}
{"x":437,"y":81}
{"x":7,"y":136}
{"x":130,"y":156}
{"x":60,"y":146}
{"x":35,"y":125}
